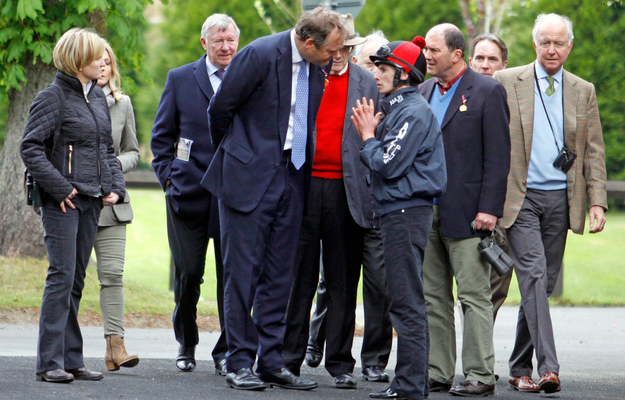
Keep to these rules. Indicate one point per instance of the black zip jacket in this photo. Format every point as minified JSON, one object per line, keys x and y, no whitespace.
{"x":83,"y":157}
{"x":406,"y":157}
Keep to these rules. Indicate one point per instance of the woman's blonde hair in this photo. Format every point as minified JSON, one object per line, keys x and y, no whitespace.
{"x":115,"y":79}
{"x":77,"y":48}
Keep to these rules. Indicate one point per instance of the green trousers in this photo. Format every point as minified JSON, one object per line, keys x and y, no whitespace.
{"x":110,"y":250}
{"x":446,"y":258}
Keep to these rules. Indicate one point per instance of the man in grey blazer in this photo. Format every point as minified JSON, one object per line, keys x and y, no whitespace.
{"x":339,"y":209}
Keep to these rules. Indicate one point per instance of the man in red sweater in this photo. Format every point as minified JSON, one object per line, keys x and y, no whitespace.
{"x":339,"y":212}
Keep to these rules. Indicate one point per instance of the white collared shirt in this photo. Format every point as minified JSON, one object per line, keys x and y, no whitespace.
{"x":297,"y":59}
{"x":542,"y":77}
{"x":211,"y":69}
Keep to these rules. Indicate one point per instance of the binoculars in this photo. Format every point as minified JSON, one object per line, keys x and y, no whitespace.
{"x":496,"y":257}
{"x":33,"y":192}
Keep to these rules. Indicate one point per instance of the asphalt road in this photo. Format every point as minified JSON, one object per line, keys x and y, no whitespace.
{"x":591,"y":350}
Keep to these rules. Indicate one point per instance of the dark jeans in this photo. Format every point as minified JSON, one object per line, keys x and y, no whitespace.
{"x":405,"y":234}
{"x":69,"y":239}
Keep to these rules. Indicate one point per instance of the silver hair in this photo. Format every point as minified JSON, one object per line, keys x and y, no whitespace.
{"x":221,"y":21}
{"x":374,"y":36}
{"x":543,"y":17}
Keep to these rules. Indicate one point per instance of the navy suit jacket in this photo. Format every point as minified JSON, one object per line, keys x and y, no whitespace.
{"x":477,"y":152}
{"x":182,"y":114}
{"x":249,"y":117}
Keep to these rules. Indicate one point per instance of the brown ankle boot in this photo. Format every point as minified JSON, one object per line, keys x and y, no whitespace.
{"x":116,"y":355}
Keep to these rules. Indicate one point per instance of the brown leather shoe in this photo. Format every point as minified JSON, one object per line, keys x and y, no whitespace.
{"x":55,"y":376}
{"x":523,"y":384}
{"x":83,"y":374}
{"x":473,"y":389}
{"x":549,"y":382}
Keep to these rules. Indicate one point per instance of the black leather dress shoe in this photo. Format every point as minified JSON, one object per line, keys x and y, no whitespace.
{"x":245,"y":379}
{"x":186,"y":358}
{"x":387,"y":393}
{"x":221,"y":368}
{"x":55,"y":376}
{"x":314,"y":355}
{"x":436,"y":386}
{"x":473,"y":389}
{"x":345,"y":381}
{"x":285,"y":379}
{"x":374,"y":374}
{"x":83,"y":374}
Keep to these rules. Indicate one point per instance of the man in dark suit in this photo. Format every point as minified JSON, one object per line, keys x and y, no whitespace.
{"x":262,"y":123}
{"x":339,"y":209}
{"x":551,"y":109}
{"x":182,"y":151}
{"x":473,"y":115}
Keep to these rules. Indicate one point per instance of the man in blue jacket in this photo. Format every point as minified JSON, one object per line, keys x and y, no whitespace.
{"x":262,"y":122}
{"x":182,"y":151}
{"x":403,"y":147}
{"x":473,"y":114}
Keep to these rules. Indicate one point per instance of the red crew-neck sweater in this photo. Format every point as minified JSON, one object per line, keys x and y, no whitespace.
{"x":330,"y":120}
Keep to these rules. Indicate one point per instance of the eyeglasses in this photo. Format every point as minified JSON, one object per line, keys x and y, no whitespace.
{"x":220,"y":42}
{"x":546,"y":44}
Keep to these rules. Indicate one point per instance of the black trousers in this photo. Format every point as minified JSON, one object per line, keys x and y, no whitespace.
{"x":405,"y":234}
{"x":69,"y":239}
{"x":327,"y":226}
{"x":259,"y":249}
{"x":188,"y":242}
{"x":378,"y":333}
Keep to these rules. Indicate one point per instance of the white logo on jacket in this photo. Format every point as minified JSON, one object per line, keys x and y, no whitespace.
{"x":394,"y":146}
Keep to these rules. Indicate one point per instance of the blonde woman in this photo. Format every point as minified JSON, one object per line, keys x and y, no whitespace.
{"x":110,"y":244}
{"x":76,"y":167}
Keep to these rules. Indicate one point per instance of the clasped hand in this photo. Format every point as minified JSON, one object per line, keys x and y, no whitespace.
{"x":365,"y":119}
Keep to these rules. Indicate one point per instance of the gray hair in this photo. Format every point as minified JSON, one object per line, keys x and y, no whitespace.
{"x":221,"y":21}
{"x":544,"y":17}
{"x":373,"y":37}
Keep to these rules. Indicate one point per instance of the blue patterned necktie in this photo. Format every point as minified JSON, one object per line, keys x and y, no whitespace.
{"x":300,"y":119}
{"x":220,"y":73}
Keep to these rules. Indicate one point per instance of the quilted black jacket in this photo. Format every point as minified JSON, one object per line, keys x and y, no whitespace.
{"x":83,"y":157}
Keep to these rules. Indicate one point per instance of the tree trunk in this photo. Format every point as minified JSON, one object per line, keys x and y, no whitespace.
{"x":21,"y":231}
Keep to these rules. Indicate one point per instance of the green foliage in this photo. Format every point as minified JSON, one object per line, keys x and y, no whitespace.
{"x":29,"y":31}
{"x":403,"y":20}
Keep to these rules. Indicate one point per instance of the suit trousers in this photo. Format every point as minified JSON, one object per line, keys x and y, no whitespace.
{"x":537,"y":240}
{"x":404,"y":233}
{"x":446,"y":258}
{"x":317,"y":320}
{"x":188,"y":242}
{"x":110,"y":251}
{"x":329,"y":226}
{"x":378,"y":333}
{"x":259,"y":250}
{"x":69,"y":240}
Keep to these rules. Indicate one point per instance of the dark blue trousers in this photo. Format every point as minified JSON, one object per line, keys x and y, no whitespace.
{"x":69,"y":239}
{"x":405,"y":234}
{"x":259,"y":250}
{"x":188,"y":242}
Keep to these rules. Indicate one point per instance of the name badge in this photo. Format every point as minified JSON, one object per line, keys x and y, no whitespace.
{"x":183,"y":150}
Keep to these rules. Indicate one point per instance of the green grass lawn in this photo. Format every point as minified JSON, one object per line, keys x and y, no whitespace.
{"x":592,"y":264}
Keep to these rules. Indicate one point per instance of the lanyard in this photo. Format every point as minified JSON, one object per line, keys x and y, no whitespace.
{"x":540,"y":93}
